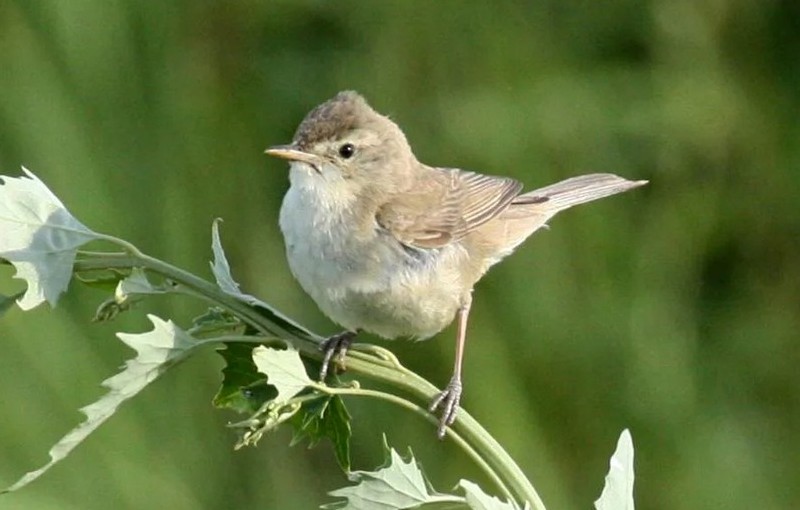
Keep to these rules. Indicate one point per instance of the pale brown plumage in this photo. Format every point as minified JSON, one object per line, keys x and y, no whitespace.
{"x":451,"y":204}
{"x":386,"y":244}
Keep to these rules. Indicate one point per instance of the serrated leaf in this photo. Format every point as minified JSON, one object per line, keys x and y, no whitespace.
{"x":308,"y":422}
{"x":238,"y":390}
{"x":39,"y":237}
{"x":156,"y":351}
{"x":222,"y":274}
{"x":618,"y":490}
{"x":284,"y":370}
{"x":479,"y":500}
{"x":336,"y":427}
{"x":398,"y":485}
{"x":326,"y":417}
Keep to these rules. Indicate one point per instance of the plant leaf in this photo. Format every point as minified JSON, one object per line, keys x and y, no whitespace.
{"x":218,"y":320}
{"x":222,"y":274}
{"x":126,"y":293}
{"x":336,"y":427}
{"x":240,"y":390}
{"x":284,"y":370}
{"x":135,"y":284}
{"x":39,"y":237}
{"x":156,"y":351}
{"x":479,"y":500}
{"x":222,"y":270}
{"x":103,"y":279}
{"x":397,"y":485}
{"x":326,"y":417}
{"x":618,"y":491}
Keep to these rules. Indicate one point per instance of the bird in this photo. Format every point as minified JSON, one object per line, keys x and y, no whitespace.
{"x":386,"y":244}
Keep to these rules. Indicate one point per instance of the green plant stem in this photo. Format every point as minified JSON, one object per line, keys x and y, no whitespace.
{"x":203,"y":289}
{"x":406,"y":404}
{"x":474,"y":438}
{"x":465,"y":426}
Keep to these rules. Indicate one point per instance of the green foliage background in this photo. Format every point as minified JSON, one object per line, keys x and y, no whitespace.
{"x":673,"y":310}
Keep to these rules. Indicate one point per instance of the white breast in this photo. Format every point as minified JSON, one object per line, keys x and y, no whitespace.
{"x":365,"y":280}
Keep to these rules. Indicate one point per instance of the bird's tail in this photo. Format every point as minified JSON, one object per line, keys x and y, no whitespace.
{"x":577,"y":190}
{"x":531,"y":211}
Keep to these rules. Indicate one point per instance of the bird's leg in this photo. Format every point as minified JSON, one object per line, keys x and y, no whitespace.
{"x":450,"y":397}
{"x":335,"y":348}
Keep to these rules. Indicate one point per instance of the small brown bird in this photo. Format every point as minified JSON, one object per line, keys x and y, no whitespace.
{"x":389,"y":245}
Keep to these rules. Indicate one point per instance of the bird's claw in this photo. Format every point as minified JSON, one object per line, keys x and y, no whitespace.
{"x":448,"y":401}
{"x":335,"y":348}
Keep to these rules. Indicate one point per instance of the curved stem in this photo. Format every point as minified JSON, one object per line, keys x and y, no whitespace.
{"x":421,"y":411}
{"x":466,"y":426}
{"x":308,"y":342}
{"x":376,"y":365}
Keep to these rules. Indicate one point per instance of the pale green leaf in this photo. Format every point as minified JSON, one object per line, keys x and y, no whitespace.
{"x":398,"y":485}
{"x":284,"y":370}
{"x":135,"y":284}
{"x":222,"y":274}
{"x":156,"y":351}
{"x":618,"y":491}
{"x":39,"y":237}
{"x":479,"y":500}
{"x":221,"y":268}
{"x":126,"y":292}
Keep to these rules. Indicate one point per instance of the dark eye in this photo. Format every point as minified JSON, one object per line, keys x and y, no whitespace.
{"x":347,"y":150}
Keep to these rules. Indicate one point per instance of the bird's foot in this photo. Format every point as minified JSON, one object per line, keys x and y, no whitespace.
{"x":448,"y":401}
{"x":335,"y":348}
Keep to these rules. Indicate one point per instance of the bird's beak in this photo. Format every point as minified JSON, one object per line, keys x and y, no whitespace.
{"x":291,"y":153}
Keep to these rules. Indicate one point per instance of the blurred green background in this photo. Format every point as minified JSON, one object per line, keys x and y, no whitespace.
{"x":673,"y":310}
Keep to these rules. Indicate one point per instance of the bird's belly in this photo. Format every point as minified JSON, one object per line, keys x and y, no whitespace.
{"x":404,"y":307}
{"x":370,"y":282}
{"x":384,"y":298}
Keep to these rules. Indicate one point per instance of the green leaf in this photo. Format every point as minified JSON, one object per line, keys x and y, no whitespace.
{"x":336,"y":426}
{"x":398,"y":485}
{"x":618,"y":490}
{"x":284,"y":370}
{"x":240,"y":389}
{"x":217,"y":319}
{"x":156,"y":351}
{"x":40,"y":238}
{"x":222,"y":274}
{"x":103,"y":279}
{"x":326,"y":417}
{"x":479,"y":500}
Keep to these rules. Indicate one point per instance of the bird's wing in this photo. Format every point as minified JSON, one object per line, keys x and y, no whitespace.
{"x":446,"y":206}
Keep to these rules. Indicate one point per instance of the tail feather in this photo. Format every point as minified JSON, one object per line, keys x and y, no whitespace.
{"x":531,"y":211}
{"x":577,"y":190}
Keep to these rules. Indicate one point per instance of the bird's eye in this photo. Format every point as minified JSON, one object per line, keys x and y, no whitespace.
{"x":347,"y":150}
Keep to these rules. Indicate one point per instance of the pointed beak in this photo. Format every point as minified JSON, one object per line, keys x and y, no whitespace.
{"x":291,"y":153}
